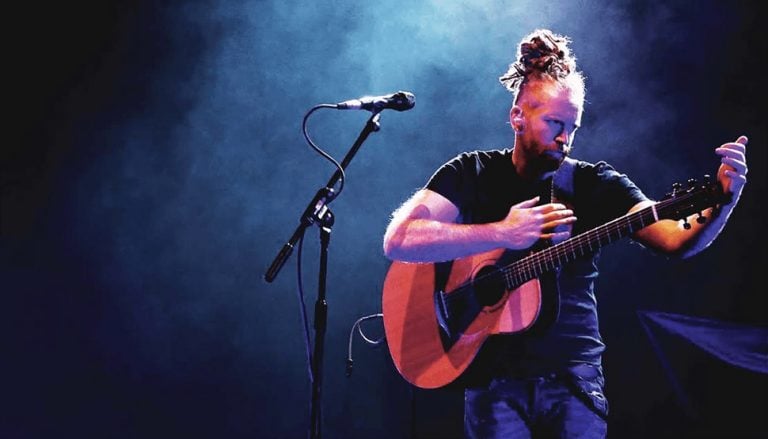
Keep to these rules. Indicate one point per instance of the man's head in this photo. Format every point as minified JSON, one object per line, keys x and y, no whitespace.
{"x":548,"y":102}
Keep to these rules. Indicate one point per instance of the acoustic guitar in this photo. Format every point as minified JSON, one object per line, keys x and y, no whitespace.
{"x":437,"y":316}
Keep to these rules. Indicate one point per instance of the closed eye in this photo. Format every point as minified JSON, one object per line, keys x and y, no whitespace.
{"x":558,"y":124}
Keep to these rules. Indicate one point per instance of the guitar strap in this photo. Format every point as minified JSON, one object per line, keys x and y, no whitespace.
{"x":560,"y":191}
{"x":562,"y":183}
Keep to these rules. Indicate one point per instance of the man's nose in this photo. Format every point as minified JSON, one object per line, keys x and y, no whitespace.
{"x":564,"y":138}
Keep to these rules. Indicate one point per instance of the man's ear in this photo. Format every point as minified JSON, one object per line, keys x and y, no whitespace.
{"x":516,"y":118}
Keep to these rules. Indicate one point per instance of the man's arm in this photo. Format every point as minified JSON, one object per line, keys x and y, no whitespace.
{"x":670,"y":237}
{"x":425,"y":229}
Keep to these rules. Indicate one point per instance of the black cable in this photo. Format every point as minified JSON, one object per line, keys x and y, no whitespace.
{"x":366,"y":339}
{"x":300,"y":286}
{"x":320,"y":151}
{"x":303,"y":308}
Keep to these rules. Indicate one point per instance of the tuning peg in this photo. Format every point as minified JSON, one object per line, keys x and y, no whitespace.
{"x":701,"y":219}
{"x":686,"y":224}
{"x":707,"y":178}
{"x":692,"y":182}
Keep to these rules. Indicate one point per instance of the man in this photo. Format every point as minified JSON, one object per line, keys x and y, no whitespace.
{"x":543,"y":383}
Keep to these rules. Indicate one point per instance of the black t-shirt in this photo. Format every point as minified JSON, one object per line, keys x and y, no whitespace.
{"x":484,"y":186}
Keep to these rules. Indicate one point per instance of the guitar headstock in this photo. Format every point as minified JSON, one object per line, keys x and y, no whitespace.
{"x":690,"y":198}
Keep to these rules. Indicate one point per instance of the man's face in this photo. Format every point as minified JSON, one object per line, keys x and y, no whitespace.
{"x":546,"y":120}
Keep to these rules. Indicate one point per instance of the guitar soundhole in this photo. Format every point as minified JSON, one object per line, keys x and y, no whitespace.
{"x":488,"y":285}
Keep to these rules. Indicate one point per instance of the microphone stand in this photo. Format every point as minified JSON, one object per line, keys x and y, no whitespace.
{"x":317,"y":212}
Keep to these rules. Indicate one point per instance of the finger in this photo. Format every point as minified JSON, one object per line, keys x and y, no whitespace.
{"x":737,"y":165}
{"x":735,"y":150}
{"x":559,"y":236}
{"x":558,"y":214}
{"x":560,"y":222}
{"x":738,"y":179}
{"x":742,"y":140}
{"x":727,"y":147}
{"x":526,"y":204}
{"x":550,"y":207}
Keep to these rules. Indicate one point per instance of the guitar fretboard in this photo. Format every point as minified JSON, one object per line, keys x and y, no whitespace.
{"x":534,"y":265}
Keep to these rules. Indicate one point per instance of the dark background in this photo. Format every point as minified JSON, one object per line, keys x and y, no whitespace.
{"x":155,"y":166}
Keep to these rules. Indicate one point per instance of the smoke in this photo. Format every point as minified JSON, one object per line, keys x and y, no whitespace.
{"x":187,"y":183}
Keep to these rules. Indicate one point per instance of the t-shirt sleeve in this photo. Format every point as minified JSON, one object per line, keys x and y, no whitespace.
{"x":454,"y":180}
{"x":616,"y":192}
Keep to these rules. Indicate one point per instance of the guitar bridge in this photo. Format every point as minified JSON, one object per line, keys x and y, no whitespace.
{"x":455,"y":312}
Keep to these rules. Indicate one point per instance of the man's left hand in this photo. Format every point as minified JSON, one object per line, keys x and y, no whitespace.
{"x":732,"y":173}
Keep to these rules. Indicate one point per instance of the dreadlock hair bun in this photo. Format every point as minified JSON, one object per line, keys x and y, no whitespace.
{"x":541,"y":55}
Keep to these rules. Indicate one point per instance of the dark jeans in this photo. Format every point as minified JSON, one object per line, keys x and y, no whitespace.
{"x":555,"y":405}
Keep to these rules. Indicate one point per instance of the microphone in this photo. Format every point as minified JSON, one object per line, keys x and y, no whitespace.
{"x":400,"y":101}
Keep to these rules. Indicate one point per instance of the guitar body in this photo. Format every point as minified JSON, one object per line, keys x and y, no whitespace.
{"x":423,"y":352}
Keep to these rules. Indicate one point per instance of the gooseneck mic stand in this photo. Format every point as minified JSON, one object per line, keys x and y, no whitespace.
{"x":317,"y":212}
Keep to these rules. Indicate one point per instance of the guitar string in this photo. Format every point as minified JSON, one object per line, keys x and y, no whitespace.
{"x":532,"y":266}
{"x":557,"y":255}
{"x":529,"y":264}
{"x":540,"y":259}
{"x":525,"y":269}
{"x":543,"y":257}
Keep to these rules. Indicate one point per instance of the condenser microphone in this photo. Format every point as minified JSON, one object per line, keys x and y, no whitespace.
{"x":400,"y":101}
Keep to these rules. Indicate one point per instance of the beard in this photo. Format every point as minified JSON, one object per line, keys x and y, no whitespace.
{"x":546,"y":163}
{"x":541,"y":159}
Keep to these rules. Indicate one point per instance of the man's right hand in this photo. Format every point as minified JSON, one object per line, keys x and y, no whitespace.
{"x":526,"y":223}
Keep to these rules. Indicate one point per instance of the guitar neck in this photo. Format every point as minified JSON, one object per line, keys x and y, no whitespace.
{"x":586,"y":243}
